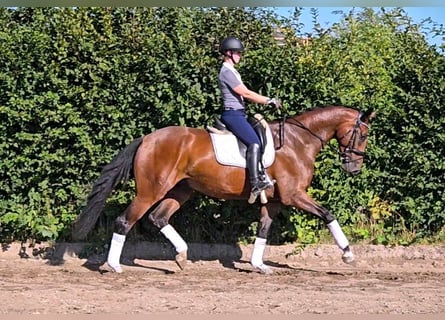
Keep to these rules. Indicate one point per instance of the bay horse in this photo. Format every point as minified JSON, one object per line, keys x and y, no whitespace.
{"x":169,"y":163}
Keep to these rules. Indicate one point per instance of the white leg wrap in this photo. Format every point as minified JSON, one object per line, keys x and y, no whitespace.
{"x":171,"y":234}
{"x":114,"y":255}
{"x":258,"y":252}
{"x":337,"y":233}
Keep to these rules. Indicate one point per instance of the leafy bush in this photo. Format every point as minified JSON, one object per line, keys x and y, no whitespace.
{"x":78,"y":84}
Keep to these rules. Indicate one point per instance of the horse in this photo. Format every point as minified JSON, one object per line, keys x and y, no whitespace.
{"x":170,"y":163}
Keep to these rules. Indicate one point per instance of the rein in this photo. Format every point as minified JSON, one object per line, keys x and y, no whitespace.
{"x":344,"y":155}
{"x":281,"y":135}
{"x":298,"y":124}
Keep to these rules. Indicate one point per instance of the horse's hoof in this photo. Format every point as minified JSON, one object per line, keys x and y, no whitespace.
{"x":181,"y":259}
{"x":264,"y":269}
{"x":348,"y":257}
{"x":107,"y":267}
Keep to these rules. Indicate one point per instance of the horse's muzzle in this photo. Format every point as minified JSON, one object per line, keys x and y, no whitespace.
{"x":355,"y":172}
{"x":351,"y":168}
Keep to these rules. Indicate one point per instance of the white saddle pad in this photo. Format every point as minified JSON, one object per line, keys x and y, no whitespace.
{"x":229,"y":151}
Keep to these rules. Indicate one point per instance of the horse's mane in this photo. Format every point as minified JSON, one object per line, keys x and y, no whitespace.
{"x":324,"y":107}
{"x":314,"y":110}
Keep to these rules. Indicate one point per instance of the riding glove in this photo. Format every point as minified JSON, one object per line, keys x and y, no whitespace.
{"x":274,"y":102}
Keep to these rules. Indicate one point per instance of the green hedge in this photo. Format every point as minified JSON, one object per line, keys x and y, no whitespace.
{"x":78,"y":84}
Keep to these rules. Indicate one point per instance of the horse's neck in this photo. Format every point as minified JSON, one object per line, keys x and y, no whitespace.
{"x":316,"y":127}
{"x":319,"y":126}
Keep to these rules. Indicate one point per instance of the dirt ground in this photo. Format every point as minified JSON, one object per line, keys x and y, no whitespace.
{"x":220,"y":280}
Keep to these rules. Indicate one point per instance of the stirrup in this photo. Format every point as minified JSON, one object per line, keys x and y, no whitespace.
{"x":261,"y":186}
{"x":261,"y":191}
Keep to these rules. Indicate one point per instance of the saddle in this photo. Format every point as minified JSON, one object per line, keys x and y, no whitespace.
{"x":257,"y":122}
{"x":232,"y":152}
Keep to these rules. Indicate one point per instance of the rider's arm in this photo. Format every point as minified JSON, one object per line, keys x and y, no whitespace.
{"x":250,"y":95}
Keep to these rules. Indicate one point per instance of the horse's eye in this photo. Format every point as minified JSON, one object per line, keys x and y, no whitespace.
{"x":363,"y":137}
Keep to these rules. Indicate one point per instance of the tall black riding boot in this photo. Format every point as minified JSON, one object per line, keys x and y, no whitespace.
{"x":257,"y":182}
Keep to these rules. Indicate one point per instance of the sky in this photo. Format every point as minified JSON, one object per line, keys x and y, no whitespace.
{"x":327,"y":18}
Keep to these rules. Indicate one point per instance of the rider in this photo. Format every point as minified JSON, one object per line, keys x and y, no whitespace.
{"x":233,"y":93}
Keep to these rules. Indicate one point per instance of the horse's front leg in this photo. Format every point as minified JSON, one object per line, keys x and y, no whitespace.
{"x":306,"y":203}
{"x":340,"y":238}
{"x":268,"y":212}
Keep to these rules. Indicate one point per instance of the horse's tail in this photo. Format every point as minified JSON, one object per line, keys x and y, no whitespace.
{"x":119,"y":170}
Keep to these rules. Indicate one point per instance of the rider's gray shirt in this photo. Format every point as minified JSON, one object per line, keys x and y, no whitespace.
{"x":230,"y":78}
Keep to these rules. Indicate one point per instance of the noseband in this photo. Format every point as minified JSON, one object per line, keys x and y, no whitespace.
{"x":349,"y":148}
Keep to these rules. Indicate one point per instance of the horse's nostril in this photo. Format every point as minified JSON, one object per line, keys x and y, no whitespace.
{"x":350,"y":169}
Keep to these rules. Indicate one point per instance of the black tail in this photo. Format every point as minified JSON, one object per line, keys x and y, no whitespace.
{"x":119,"y":170}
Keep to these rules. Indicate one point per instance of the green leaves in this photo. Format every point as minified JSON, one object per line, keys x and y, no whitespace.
{"x":80,"y":83}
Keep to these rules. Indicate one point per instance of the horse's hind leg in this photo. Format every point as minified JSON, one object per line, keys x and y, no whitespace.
{"x":123,"y":225}
{"x":161,"y":214}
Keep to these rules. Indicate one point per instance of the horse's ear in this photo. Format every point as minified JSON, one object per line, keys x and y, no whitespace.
{"x":367,"y":116}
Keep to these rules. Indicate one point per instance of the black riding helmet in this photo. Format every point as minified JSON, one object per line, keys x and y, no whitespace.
{"x":231,"y":44}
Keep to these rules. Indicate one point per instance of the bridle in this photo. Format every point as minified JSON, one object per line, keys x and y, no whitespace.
{"x":348,"y":149}
{"x":356,"y":133}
